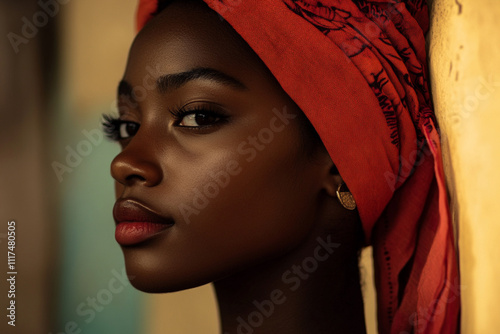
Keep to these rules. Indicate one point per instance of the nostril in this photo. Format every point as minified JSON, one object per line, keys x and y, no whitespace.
{"x":134,"y":177}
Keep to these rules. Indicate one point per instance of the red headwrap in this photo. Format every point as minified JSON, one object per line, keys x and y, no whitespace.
{"x":358,"y":70}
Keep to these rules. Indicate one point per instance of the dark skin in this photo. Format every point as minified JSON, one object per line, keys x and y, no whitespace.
{"x":272,"y":229}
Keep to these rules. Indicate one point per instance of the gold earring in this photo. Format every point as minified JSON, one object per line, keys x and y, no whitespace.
{"x":345,"y":197}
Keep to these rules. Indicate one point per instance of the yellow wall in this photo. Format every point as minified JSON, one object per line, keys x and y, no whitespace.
{"x":465,"y":70}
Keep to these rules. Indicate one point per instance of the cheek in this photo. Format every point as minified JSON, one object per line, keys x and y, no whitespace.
{"x":247,"y":211}
{"x":231,"y":212}
{"x":234,"y":231}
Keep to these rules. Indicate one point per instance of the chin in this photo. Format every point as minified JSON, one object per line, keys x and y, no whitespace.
{"x":151,"y":275}
{"x":152,"y":280}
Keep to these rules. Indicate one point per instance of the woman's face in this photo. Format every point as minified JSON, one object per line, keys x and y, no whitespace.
{"x":213,"y":176}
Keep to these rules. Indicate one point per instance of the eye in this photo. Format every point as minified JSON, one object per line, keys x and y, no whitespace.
{"x":128,"y":129}
{"x":199,"y":119}
{"x":117,"y":129}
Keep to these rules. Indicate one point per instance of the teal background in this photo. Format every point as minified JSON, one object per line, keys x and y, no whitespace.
{"x":90,"y":256}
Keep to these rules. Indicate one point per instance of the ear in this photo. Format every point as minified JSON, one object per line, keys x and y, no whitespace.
{"x":332,"y":178}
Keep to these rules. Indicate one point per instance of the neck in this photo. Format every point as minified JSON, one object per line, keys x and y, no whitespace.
{"x":314,"y":289}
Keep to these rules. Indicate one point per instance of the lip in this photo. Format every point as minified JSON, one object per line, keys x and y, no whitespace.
{"x":136,"y":223}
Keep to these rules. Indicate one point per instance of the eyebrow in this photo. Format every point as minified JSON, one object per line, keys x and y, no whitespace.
{"x":175,"y":81}
{"x":124,"y":89}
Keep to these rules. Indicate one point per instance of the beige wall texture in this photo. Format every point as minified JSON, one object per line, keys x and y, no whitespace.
{"x":464,"y":49}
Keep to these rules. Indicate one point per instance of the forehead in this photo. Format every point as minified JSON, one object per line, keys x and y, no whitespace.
{"x":188,"y":35}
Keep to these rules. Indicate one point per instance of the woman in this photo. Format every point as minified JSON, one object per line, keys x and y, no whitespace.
{"x":263,"y":143}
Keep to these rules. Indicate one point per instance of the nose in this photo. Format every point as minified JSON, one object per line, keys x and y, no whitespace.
{"x":137,"y":164}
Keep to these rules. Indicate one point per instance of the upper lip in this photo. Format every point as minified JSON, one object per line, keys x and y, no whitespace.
{"x":127,"y":210}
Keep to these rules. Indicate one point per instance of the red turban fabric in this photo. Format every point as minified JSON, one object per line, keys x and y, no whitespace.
{"x":358,"y":70}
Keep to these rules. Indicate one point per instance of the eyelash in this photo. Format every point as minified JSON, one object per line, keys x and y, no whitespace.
{"x":111,"y":127}
{"x":206,"y":110}
{"x":111,"y":124}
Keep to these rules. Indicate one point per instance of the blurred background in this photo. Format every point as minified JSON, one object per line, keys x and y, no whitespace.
{"x":60,"y":63}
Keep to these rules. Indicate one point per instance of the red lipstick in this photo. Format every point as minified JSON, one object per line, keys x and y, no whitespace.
{"x":135,"y":223}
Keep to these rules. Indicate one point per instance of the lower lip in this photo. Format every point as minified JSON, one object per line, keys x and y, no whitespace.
{"x":131,"y":233}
